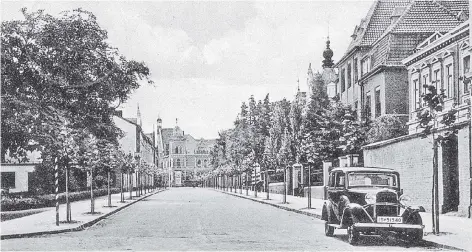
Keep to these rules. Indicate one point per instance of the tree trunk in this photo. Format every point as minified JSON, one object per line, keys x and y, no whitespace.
{"x":68,"y":209}
{"x":92,"y":203}
{"x":130,"y":185}
{"x":435,"y":188}
{"x":108,"y":189}
{"x":122,"y":196}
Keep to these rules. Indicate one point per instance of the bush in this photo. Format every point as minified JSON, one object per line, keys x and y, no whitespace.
{"x":386,"y":127}
{"x":48,"y":200}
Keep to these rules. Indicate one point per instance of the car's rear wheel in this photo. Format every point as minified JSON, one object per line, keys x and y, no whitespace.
{"x":352,"y":235}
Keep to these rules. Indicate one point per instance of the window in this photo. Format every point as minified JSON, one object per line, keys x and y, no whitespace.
{"x":349,"y":75}
{"x":378,"y":105}
{"x":205,"y":163}
{"x":425,"y":82}
{"x":437,"y":81}
{"x":178,"y":162}
{"x":8,"y":179}
{"x":365,"y":66}
{"x":416,"y":94}
{"x":343,"y":85}
{"x":355,"y":71}
{"x":331,"y":179}
{"x":449,"y":81}
{"x":340,"y":179}
{"x":199,"y":163}
{"x":466,"y":64}
{"x":176,"y":150}
{"x":367,"y":105}
{"x":466,"y":70}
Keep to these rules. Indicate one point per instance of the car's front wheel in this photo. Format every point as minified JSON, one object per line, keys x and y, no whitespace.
{"x":329,"y":230}
{"x":414,"y":235}
{"x":352,"y":235}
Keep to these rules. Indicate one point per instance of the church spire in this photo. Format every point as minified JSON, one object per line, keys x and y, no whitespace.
{"x":327,"y":55}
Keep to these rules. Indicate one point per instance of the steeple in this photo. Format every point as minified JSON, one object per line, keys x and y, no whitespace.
{"x":138,"y":116}
{"x":298,"y":85}
{"x":327,"y":55}
{"x":159,"y":122}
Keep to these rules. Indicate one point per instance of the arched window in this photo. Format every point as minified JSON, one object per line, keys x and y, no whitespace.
{"x":205,"y":163}
{"x":178,"y":162}
{"x":176,"y":151}
{"x":199,"y":163}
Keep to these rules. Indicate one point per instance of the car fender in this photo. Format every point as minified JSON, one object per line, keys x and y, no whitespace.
{"x":358,"y":213}
{"x":325,"y":213}
{"x":410,"y":210}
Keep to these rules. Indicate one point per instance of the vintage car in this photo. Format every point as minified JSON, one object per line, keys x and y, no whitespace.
{"x":366,"y":200}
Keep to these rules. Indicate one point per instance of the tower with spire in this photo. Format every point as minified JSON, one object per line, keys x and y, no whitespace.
{"x":328,"y":55}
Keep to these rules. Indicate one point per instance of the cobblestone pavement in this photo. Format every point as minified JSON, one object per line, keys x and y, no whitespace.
{"x":202,"y":219}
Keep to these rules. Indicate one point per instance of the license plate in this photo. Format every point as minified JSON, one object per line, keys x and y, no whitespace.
{"x":388,"y":219}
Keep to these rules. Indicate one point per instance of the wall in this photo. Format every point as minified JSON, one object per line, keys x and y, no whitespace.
{"x":317,"y":192}
{"x":396,"y":92}
{"x":21,"y":175}
{"x":128,"y":141}
{"x":412,"y":157}
{"x":376,"y":80}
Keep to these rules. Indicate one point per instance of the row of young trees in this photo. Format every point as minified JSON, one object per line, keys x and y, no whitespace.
{"x":61,"y":83}
{"x":277,"y":134}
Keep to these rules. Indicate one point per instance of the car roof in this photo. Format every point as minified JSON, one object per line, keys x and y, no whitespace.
{"x":368,"y":169}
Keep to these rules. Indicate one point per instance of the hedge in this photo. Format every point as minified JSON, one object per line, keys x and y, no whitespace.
{"x":48,"y":200}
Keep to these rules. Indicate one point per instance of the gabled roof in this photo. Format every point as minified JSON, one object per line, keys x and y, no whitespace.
{"x":374,"y":24}
{"x":420,"y":20}
{"x":166,"y":135}
{"x":427,"y":16}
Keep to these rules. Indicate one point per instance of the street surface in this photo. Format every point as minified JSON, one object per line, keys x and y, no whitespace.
{"x":204,"y":219}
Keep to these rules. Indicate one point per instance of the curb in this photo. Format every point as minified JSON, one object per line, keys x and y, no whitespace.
{"x":318,"y":216}
{"x":79,"y":228}
{"x":430,"y":243}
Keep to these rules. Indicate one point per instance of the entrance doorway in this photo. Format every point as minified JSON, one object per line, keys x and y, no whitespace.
{"x":450,"y":175}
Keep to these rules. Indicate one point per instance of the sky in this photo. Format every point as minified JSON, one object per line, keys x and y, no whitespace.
{"x":206,"y":58}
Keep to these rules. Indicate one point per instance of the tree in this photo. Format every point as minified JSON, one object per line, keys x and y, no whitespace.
{"x":60,"y":65}
{"x":429,"y":121}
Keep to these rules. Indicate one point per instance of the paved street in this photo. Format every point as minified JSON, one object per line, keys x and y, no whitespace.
{"x":202,"y":219}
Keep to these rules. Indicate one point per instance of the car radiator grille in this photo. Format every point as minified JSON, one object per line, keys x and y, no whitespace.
{"x":389,"y":197}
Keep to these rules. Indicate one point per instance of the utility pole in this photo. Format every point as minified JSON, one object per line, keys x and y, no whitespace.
{"x":56,"y":183}
{"x":285,"y":185}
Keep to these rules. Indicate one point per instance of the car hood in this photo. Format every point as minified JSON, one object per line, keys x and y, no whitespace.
{"x":365,"y":190}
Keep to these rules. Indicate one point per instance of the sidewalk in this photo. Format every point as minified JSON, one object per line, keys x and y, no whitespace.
{"x":45,"y":222}
{"x":455,"y":232}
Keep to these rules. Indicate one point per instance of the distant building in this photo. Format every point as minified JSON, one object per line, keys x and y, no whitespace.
{"x":181,"y":154}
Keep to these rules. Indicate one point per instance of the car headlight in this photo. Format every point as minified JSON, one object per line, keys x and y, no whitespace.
{"x":370,"y":198}
{"x":404,"y":200}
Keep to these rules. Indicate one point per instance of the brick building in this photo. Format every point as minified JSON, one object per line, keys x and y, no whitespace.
{"x":443,"y":60}
{"x":181,"y":154}
{"x":372,"y":78}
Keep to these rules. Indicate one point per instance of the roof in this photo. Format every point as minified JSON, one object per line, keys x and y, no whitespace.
{"x":418,"y":21}
{"x":376,"y":21}
{"x":166,"y":135}
{"x":359,"y":169}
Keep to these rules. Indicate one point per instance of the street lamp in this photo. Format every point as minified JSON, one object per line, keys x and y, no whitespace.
{"x":285,"y":185}
{"x":309,"y":187}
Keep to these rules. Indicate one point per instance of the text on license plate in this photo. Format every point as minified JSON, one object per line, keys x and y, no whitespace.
{"x":388,"y":219}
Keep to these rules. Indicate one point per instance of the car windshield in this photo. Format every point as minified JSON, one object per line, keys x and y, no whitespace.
{"x":372,"y":179}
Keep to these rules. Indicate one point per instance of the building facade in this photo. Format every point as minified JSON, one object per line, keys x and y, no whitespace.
{"x":372,"y":78}
{"x":183,"y":156}
{"x":442,"y":60}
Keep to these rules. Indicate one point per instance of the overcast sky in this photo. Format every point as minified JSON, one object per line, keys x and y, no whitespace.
{"x":208,"y":57}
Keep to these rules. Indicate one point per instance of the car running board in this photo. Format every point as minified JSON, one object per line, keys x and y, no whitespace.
{"x":335,"y":225}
